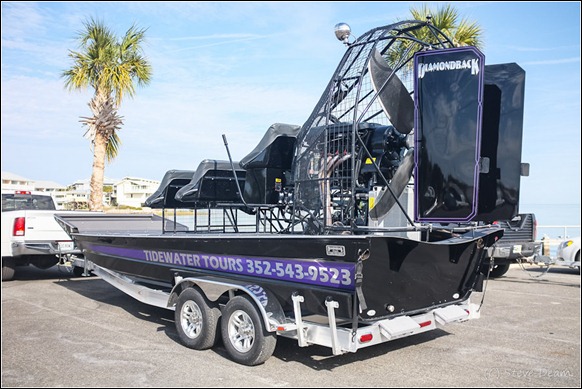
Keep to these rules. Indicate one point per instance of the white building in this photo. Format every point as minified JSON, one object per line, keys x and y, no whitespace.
{"x":58,"y":191}
{"x":11,"y":181}
{"x":79,"y":191}
{"x":133,"y":192}
{"x":130,"y":191}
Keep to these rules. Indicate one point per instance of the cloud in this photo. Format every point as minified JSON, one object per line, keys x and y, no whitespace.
{"x":40,"y":108}
{"x":236,"y":36}
{"x":552,"y":61}
{"x":541,"y":49}
{"x":229,"y":41}
{"x":19,"y":19}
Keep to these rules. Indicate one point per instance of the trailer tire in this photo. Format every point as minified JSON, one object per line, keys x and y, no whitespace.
{"x":196,"y":320}
{"x":243,"y":332}
{"x":7,"y":268}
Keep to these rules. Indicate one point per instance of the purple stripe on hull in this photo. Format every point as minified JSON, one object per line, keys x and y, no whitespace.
{"x":330,"y":274}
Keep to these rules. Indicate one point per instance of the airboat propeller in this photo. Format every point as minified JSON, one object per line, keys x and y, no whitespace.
{"x":392,"y":94}
{"x":388,"y":196}
{"x":399,"y":107}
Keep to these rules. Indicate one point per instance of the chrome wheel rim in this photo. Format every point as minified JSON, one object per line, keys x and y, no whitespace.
{"x":241,"y":331}
{"x":191,"y":319}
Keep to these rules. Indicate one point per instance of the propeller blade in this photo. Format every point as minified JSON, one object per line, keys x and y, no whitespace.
{"x":386,"y":201}
{"x":394,"y":97}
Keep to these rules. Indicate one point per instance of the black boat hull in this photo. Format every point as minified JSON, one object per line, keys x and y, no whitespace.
{"x":398,"y":275}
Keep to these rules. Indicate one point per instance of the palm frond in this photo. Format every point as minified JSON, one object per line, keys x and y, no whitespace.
{"x":113,"y":145}
{"x":469,"y":34}
{"x":446,"y":19}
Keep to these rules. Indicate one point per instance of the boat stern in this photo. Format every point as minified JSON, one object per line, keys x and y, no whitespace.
{"x":403,"y":276}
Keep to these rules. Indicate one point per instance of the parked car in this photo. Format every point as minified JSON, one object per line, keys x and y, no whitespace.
{"x":569,"y":250}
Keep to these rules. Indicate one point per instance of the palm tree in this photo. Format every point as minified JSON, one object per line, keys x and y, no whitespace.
{"x":462,"y":32}
{"x":111,"y":67}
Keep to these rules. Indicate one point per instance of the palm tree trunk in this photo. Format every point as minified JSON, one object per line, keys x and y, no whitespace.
{"x":96,"y":198}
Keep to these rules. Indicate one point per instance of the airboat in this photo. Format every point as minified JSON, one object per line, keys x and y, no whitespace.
{"x":368,"y":222}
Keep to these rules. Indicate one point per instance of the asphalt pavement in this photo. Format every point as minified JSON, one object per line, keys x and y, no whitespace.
{"x":58,"y":330}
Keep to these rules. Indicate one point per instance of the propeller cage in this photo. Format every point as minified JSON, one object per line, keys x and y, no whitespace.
{"x":358,"y":133}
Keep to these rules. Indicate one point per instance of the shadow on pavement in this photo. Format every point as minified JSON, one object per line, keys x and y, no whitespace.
{"x":315,"y":357}
{"x":30,"y":273}
{"x":94,"y":288}
{"x":321,"y":358}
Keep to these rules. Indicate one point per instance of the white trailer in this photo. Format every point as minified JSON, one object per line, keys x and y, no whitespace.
{"x":252,"y":318}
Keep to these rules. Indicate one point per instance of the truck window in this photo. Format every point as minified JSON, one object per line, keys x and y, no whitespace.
{"x":16,"y":202}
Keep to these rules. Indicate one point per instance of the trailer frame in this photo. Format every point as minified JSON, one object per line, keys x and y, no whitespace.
{"x":337,"y":334}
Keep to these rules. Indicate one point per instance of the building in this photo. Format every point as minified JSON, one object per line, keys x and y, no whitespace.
{"x":133,"y":192}
{"x":11,"y":181}
{"x":58,"y":191}
{"x":129,"y":191}
{"x":79,"y":191}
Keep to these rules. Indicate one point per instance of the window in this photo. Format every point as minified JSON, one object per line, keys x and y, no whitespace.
{"x":17,"y":201}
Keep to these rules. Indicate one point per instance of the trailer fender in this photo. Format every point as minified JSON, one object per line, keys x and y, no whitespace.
{"x":214,"y":287}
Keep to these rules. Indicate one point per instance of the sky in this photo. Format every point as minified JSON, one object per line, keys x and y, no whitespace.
{"x":235,"y":68}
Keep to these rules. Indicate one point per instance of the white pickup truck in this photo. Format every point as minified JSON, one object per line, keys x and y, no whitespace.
{"x":30,"y":233}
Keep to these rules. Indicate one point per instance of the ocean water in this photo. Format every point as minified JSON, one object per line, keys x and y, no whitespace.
{"x":556,"y":221}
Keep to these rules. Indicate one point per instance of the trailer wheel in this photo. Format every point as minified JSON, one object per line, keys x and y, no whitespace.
{"x":196,"y":320}
{"x":7,"y":268}
{"x":243,"y":332}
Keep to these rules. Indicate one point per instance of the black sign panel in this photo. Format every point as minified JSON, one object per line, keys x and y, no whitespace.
{"x":501,"y":142}
{"x":448,"y":109}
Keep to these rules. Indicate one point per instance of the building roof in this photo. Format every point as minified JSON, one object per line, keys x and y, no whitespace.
{"x":14,"y":177}
{"x":139,"y":179}
{"x":41,"y":184}
{"x":48,"y":185}
{"x":87,"y":181}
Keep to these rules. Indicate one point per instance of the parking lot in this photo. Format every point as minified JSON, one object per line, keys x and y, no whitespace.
{"x":82,"y":332}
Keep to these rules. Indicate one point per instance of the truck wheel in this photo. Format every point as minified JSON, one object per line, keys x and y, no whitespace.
{"x":196,"y":320}
{"x":44,"y":262}
{"x":7,"y":268}
{"x":499,"y":270}
{"x":243,"y":332}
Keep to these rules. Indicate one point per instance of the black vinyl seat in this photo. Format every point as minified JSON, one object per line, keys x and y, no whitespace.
{"x":268,"y":166}
{"x":163,"y":197}
{"x":212,"y":182}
